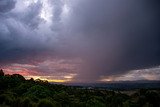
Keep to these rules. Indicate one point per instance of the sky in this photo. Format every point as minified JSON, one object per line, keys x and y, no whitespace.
{"x":81,"y":40}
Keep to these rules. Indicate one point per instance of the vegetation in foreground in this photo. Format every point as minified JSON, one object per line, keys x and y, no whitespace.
{"x":15,"y":91}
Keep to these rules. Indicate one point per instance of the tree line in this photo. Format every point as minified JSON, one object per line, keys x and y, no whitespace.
{"x":16,"y":91}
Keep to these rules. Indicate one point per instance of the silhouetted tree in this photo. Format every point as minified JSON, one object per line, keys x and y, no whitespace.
{"x":18,"y":77}
{"x":32,"y":79}
{"x":1,"y":73}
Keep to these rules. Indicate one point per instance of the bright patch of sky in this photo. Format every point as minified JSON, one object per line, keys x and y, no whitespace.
{"x":46,"y":12}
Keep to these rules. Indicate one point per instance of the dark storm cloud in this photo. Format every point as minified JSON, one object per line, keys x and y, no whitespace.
{"x":115,"y":36}
{"x":18,"y":40}
{"x":31,"y":16}
{"x":110,"y":37}
{"x":6,"y":5}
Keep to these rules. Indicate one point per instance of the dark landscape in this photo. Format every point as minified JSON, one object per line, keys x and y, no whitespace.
{"x":16,"y":91}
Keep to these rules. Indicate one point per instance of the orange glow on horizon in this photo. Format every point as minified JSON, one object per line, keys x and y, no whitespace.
{"x":44,"y":78}
{"x":57,"y":81}
{"x":106,"y":80}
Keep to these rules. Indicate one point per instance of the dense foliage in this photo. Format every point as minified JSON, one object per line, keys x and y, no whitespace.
{"x":15,"y":91}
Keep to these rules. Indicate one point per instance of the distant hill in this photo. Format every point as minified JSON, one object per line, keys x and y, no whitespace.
{"x":120,"y":85}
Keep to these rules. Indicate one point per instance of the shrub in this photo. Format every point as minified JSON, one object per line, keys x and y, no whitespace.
{"x":26,"y":102}
{"x":38,"y":91}
{"x":46,"y":103}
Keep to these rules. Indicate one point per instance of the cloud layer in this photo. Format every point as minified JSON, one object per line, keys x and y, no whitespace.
{"x":92,"y":38}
